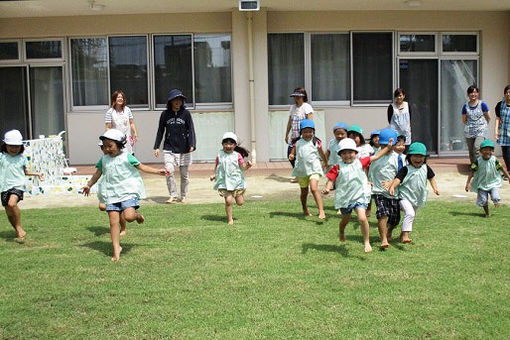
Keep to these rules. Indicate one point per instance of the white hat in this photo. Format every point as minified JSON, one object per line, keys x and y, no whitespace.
{"x":100,"y":143}
{"x":13,"y":137}
{"x":347,"y":144}
{"x":114,"y":135}
{"x":229,"y":135}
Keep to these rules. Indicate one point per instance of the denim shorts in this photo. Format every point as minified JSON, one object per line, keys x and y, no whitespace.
{"x":349,"y":209}
{"x":121,"y":206}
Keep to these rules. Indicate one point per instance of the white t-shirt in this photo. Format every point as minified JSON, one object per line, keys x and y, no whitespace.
{"x":297,"y":114}
{"x":120,"y":121}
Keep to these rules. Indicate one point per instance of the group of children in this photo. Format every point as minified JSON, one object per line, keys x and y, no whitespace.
{"x":358,"y":172}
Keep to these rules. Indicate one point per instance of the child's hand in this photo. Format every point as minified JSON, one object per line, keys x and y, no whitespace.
{"x":212,"y":178}
{"x":468,"y":186}
{"x":386,"y":185}
{"x":40,"y":176}
{"x":86,"y":190}
{"x":248,"y":165}
{"x":325,"y":191}
{"x":436,"y":191}
{"x":391,"y":191}
{"x":164,"y":172}
{"x":291,"y":157}
{"x":390,"y":142}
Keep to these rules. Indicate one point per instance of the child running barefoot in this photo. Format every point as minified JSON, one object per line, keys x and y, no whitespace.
{"x":307,"y":151}
{"x":229,"y":169}
{"x":356,"y":133}
{"x":352,"y":188}
{"x":123,"y":185}
{"x":12,"y":178}
{"x":485,"y":172}
{"x":412,"y":183}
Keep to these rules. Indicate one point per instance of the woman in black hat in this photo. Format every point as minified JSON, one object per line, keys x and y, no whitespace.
{"x":176,"y":124}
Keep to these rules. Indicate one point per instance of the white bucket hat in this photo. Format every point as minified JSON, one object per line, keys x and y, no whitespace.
{"x":347,"y":144}
{"x":13,"y":137}
{"x":229,"y":135}
{"x":113,"y":134}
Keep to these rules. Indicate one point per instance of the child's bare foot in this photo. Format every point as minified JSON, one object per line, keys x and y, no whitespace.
{"x":140,"y":219}
{"x":497,"y":205}
{"x":123,"y":232}
{"x":341,"y":236}
{"x":384,"y":245}
{"x":368,"y":248}
{"x":230,"y":222}
{"x":307,"y":213}
{"x":407,"y":240}
{"x":20,"y":233}
{"x":322,"y":215}
{"x":184,"y":200}
{"x":116,"y":257}
{"x":339,"y":212}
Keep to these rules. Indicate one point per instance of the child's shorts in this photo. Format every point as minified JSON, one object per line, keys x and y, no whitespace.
{"x":121,"y":206}
{"x":483,"y":197}
{"x":305,"y":181}
{"x":388,"y":207}
{"x":6,"y":194}
{"x":235,"y":193}
{"x":354,"y":206}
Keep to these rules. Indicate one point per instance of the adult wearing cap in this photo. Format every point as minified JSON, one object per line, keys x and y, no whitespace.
{"x":298,"y":111}
{"x":502,"y":131}
{"x":176,"y":126}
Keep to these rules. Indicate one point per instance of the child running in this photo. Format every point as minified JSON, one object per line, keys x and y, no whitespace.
{"x":485,"y":172}
{"x":307,"y":151}
{"x":229,"y":169}
{"x":412,"y":183}
{"x":122,"y":184}
{"x":352,"y":188}
{"x":356,"y":133}
{"x":13,"y":169}
{"x":340,"y":132}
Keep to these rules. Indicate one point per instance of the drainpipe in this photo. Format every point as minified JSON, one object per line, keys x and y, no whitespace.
{"x":252,"y":88}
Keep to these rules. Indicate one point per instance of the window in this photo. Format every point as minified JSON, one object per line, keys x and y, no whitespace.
{"x":48,"y":49}
{"x":460,"y":43}
{"x":417,"y":43}
{"x":9,"y":50}
{"x":286,"y":65}
{"x":172,"y":66}
{"x":128,"y":68}
{"x":89,"y":69}
{"x":372,"y":67}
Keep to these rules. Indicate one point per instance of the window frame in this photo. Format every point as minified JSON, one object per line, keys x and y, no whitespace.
{"x":475,"y":53}
{"x":421,"y":53}
{"x":20,"y":55}
{"x":42,"y":60}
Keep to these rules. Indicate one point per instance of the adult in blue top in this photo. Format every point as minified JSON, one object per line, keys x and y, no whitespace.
{"x":176,"y":124}
{"x":502,"y":131}
{"x":476,"y":117}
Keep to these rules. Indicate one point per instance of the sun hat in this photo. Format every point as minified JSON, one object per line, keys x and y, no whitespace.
{"x":13,"y":137}
{"x":417,"y":148}
{"x":375,"y":133}
{"x":113,"y":134}
{"x":487,"y":143}
{"x":356,"y":128}
{"x":347,"y":144}
{"x":386,"y":135}
{"x":306,"y":123}
{"x":174,"y":93}
{"x":297,"y":94}
{"x":340,"y":125}
{"x":229,"y":135}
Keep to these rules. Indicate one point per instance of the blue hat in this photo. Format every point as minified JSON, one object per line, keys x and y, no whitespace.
{"x":340,"y":125}
{"x":386,"y":134}
{"x":375,"y":133}
{"x":307,"y":123}
{"x":174,"y":93}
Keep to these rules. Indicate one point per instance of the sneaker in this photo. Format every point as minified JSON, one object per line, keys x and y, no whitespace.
{"x":171,"y":200}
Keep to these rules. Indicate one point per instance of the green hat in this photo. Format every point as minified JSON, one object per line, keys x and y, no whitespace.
{"x":355,"y":128}
{"x":417,"y":148}
{"x":487,"y":143}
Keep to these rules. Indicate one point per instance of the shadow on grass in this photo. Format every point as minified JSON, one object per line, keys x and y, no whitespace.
{"x":98,"y":231}
{"x":332,"y":248}
{"x":157,"y":199}
{"x":461,"y":213}
{"x":106,"y":247}
{"x":278,"y":178}
{"x":215,"y":218}
{"x":9,"y":236}
{"x":298,"y":215}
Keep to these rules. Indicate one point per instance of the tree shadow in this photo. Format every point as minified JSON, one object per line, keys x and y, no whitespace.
{"x":106,"y":247}
{"x":98,"y":231}
{"x":332,"y":248}
{"x":461,"y":213}
{"x":278,"y":178}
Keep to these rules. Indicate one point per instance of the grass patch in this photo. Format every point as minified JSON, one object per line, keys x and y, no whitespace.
{"x":186,"y":274}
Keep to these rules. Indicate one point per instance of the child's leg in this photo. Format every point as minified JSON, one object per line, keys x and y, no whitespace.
{"x":170,"y":180}
{"x":369,"y":208}
{"x":122,"y":222}
{"x":365,"y":229}
{"x":482,"y":200}
{"x":115,"y":234}
{"x":495,"y":196}
{"x":304,"y":195}
{"x":131,"y":214}
{"x":314,"y":187}
{"x":240,"y":200}
{"x":14,"y":215}
{"x":382,"y":220}
{"x":341,"y":226}
{"x":228,"y":209}
{"x":407,"y":223}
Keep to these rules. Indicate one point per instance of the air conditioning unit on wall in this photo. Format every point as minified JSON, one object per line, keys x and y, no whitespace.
{"x":249,"y":5}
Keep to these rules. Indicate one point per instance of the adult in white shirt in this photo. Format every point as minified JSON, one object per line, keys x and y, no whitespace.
{"x":399,"y":116}
{"x":120,"y":117}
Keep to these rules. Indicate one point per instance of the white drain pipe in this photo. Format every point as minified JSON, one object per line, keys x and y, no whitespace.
{"x":252,"y":88}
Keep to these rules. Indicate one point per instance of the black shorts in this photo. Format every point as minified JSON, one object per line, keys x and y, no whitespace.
{"x":6,"y":194}
{"x":388,"y":207}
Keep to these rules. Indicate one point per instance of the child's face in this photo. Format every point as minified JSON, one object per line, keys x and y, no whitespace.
{"x":375,"y":140}
{"x":340,"y":134}
{"x":102,"y":149}
{"x":228,"y":146}
{"x":355,"y":137}
{"x":486,"y":152}
{"x":110,"y":148}
{"x":13,"y":150}
{"x":348,"y":156}
{"x":417,"y":160}
{"x":307,"y":133}
{"x":176,"y":104}
{"x":400,"y":147}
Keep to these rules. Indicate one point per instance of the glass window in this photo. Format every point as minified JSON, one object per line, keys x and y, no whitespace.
{"x":44,"y":49}
{"x":9,"y":50}
{"x":13,"y":108}
{"x":459,"y":43}
{"x":212,"y":68}
{"x":89,"y":69}
{"x":286,"y":65}
{"x":172,"y":66}
{"x":128,"y":68}
{"x":330,"y":67}
{"x":417,"y":43}
{"x":372,"y":67}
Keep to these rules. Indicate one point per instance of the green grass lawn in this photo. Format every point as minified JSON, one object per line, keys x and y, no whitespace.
{"x":186,"y":274}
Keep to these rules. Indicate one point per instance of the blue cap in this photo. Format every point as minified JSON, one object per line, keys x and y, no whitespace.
{"x":375,"y":133}
{"x":386,"y":134}
{"x":340,"y":125}
{"x":174,"y":93}
{"x":307,"y":123}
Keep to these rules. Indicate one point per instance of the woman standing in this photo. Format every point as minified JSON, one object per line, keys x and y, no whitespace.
{"x":298,"y":111}
{"x":476,"y":117}
{"x":502,"y":131}
{"x":176,"y":124}
{"x":120,"y":117}
{"x":399,"y":116}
